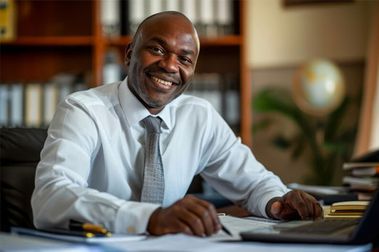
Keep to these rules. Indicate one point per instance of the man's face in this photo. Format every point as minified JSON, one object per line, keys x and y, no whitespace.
{"x":161,"y":60}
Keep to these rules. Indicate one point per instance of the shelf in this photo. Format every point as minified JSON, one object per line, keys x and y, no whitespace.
{"x":51,"y":41}
{"x":230,"y":40}
{"x":119,"y":41}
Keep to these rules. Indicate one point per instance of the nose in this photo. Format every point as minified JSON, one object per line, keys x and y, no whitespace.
{"x":169,"y":63}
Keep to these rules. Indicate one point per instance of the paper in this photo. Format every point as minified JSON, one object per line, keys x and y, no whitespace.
{"x":184,"y":243}
{"x":236,"y":225}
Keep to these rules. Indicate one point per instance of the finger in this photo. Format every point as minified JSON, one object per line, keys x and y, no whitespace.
{"x":294,"y":201}
{"x":183,"y":228}
{"x":309,"y":205}
{"x":284,"y":211}
{"x":191,"y":220}
{"x":288,"y":213}
{"x":208,"y":215}
{"x":318,"y":211}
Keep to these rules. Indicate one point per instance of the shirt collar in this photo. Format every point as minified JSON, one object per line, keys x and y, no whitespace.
{"x":135,"y":111}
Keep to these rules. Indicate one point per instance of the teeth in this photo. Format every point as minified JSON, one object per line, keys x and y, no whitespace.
{"x":163,"y":82}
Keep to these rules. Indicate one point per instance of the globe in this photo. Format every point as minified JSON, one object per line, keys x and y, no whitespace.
{"x":318,"y":87}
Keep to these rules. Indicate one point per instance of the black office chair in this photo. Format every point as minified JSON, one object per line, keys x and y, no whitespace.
{"x":19,"y":155}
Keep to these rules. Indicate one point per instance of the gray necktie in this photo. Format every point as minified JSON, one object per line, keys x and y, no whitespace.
{"x":153,"y":180}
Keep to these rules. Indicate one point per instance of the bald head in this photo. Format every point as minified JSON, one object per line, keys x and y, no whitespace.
{"x":171,"y":16}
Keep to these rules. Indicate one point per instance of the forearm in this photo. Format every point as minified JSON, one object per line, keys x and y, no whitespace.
{"x":55,"y":203}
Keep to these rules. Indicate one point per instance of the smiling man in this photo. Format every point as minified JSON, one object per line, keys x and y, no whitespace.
{"x":93,"y":164}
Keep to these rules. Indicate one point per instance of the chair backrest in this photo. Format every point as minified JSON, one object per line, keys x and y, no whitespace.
{"x":19,"y":155}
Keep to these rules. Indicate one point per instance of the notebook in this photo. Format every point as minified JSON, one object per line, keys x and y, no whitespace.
{"x":364,"y":230}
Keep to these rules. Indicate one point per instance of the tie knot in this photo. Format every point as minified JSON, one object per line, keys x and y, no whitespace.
{"x":152,"y":124}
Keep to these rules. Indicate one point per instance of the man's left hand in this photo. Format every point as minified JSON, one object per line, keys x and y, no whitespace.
{"x":294,"y":205}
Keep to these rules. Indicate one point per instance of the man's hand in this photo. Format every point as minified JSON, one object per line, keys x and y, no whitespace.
{"x":189,"y":215}
{"x":294,"y":205}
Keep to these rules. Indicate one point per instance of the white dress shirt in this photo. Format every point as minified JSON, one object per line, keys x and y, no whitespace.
{"x":92,"y":163}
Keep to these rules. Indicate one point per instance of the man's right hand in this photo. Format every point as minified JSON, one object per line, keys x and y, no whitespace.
{"x":189,"y":215}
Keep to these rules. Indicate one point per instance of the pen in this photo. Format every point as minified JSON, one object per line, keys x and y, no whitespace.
{"x":223,"y":228}
{"x":88,"y":227}
{"x":69,"y":232}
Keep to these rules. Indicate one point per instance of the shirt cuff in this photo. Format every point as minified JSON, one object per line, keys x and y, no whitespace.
{"x":133,"y":217}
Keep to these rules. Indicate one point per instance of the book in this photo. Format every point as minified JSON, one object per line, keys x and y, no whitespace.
{"x":364,"y":183}
{"x":50,"y":100}
{"x":189,"y":9}
{"x":173,"y":5}
{"x":110,"y":17}
{"x":33,"y":105}
{"x":16,"y":105}
{"x":348,"y":208}
{"x":154,"y":6}
{"x":7,"y":20}
{"x":363,"y":174}
{"x":354,"y":165}
{"x":4,"y":104}
{"x":207,"y":20}
{"x":366,"y":171}
{"x":136,"y":14}
{"x":224,"y":17}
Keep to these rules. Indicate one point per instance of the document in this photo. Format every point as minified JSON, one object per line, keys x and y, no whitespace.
{"x":185,"y":243}
{"x":236,"y":225}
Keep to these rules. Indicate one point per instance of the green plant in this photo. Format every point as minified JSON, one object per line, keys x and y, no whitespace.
{"x":329,"y":140}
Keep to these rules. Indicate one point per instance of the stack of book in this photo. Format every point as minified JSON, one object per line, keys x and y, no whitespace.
{"x":363,"y":174}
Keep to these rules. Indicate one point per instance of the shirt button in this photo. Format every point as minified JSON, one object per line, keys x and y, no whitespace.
{"x":131,"y":229}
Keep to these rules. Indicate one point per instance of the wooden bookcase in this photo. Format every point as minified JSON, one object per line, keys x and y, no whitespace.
{"x":66,"y":36}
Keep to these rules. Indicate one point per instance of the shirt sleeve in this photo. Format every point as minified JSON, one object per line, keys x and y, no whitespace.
{"x":61,"y":189}
{"x":234,"y":172}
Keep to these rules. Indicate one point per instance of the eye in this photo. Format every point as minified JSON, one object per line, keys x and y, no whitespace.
{"x":156,"y":50}
{"x":185,"y":60}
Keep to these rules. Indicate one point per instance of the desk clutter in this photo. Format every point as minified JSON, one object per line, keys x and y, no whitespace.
{"x":362,"y":175}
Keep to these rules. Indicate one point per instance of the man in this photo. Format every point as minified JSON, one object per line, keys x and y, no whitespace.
{"x":92,"y":166}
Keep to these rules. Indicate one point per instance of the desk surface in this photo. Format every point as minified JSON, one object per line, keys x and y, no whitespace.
{"x":168,"y":243}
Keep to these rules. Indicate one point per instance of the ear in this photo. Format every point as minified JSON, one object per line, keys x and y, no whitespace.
{"x":128,"y":54}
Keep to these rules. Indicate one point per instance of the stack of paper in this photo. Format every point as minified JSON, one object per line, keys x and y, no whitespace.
{"x":363,"y":174}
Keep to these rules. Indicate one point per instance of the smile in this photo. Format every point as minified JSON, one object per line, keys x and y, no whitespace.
{"x":162,"y":83}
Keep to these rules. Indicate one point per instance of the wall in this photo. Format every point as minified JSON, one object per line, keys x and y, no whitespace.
{"x":282,"y":36}
{"x":280,"y":39}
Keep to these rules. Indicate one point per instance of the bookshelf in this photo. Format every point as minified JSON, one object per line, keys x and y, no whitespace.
{"x":49,"y":42}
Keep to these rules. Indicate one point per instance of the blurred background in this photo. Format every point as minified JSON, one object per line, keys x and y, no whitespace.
{"x":284,"y":37}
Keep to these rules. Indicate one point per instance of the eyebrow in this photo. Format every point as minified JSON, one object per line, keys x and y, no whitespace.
{"x":165,"y":44}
